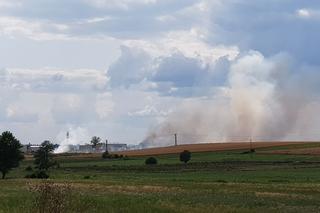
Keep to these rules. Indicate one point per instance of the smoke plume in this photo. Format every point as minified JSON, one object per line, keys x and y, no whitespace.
{"x":263,"y":98}
{"x":76,"y":136}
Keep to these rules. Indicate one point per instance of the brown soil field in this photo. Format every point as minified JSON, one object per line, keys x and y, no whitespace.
{"x":304,"y":151}
{"x":205,"y":147}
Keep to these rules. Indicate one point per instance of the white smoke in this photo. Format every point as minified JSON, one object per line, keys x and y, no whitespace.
{"x":77,"y":136}
{"x":263,"y":99}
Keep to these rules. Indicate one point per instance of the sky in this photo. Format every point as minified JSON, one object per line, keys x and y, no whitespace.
{"x":122,"y":69}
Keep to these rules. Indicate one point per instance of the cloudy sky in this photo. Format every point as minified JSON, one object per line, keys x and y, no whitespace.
{"x":118,"y":68}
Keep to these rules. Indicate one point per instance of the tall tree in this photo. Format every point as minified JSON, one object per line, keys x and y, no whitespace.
{"x":43,"y":157}
{"x":10,"y":153}
{"x":95,"y":141}
{"x":185,"y":156}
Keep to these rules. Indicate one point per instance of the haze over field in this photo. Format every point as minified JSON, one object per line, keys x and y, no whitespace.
{"x":132,"y":71}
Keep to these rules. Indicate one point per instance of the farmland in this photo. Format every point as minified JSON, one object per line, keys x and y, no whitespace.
{"x":276,"y":178}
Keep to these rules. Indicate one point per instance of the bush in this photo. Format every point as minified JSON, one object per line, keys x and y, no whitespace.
{"x":105,"y":155}
{"x":38,"y":174}
{"x":29,"y":169}
{"x":86,"y":177}
{"x":151,"y":161}
{"x":185,"y":156}
{"x":249,"y":152}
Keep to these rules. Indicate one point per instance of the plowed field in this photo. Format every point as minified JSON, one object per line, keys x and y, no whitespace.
{"x":206,"y":147}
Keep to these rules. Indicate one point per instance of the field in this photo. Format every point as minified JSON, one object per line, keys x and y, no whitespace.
{"x":280,"y":177}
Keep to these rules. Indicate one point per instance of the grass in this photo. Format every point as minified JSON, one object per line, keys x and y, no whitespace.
{"x":213,"y":182}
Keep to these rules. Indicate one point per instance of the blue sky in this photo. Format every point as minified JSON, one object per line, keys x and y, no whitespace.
{"x":121,"y":69}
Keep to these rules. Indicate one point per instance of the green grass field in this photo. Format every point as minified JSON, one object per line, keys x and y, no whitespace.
{"x":227,"y":181}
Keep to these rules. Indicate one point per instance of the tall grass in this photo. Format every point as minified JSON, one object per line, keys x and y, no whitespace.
{"x":51,"y":197}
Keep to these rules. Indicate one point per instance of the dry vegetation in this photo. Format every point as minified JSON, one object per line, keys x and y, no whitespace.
{"x":205,"y":147}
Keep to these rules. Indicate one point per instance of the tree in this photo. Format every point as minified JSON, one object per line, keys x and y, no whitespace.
{"x":185,"y":156}
{"x":10,"y":153}
{"x":43,"y":157}
{"x":151,"y":161}
{"x":95,"y":141}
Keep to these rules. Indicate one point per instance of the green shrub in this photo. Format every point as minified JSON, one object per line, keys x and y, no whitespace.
{"x":185,"y":156}
{"x":151,"y":161}
{"x":29,"y":168}
{"x":105,"y":155}
{"x":38,"y":174}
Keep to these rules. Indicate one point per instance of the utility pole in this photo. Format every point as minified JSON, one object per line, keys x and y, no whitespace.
{"x":107,"y":145}
{"x":175,"y":139}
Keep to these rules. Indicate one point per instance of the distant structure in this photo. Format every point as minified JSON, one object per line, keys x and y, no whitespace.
{"x":30,"y":148}
{"x":175,"y":139}
{"x":102,"y":147}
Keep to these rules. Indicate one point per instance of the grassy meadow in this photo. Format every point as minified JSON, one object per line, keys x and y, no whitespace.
{"x":224,"y":181}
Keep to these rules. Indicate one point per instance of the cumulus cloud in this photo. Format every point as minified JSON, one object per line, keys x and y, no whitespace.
{"x":270,"y":27}
{"x":228,"y":68}
{"x":63,"y":96}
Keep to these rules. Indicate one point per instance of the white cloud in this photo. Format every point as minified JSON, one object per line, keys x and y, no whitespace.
{"x":308,"y":13}
{"x":37,"y":30}
{"x":10,"y":4}
{"x":303,"y":13}
{"x":53,"y":80}
{"x":120,"y":4}
{"x":104,"y":105}
{"x":189,"y":43}
{"x":149,"y":110}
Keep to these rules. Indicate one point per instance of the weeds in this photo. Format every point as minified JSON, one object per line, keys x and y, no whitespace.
{"x":51,"y":197}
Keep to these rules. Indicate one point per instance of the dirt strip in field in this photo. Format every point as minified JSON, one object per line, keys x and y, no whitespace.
{"x":205,"y":147}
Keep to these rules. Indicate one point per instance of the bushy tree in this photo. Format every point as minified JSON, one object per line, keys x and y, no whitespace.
{"x":151,"y":161}
{"x":185,"y":156}
{"x":105,"y":155}
{"x":10,"y":153}
{"x":43,"y":157}
{"x":95,"y":141}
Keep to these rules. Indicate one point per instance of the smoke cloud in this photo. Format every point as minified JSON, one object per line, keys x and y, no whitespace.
{"x":76,"y":136}
{"x":263,"y":98}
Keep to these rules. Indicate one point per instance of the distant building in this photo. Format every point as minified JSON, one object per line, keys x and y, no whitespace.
{"x":100,"y":148}
{"x":86,"y":148}
{"x":116,"y":147}
{"x":30,"y":148}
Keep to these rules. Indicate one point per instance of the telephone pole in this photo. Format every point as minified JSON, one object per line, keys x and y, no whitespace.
{"x":175,"y":139}
{"x":107,"y":145}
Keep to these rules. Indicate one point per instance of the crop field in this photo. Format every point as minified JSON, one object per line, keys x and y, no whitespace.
{"x":277,"y":178}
